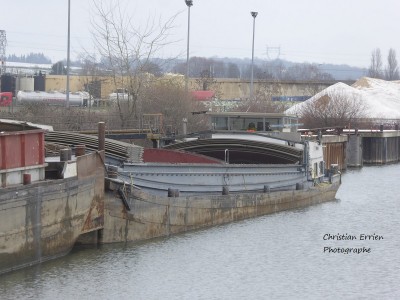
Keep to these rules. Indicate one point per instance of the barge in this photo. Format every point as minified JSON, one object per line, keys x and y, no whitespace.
{"x":227,"y":174}
{"x":49,"y":203}
{"x":46,"y":203}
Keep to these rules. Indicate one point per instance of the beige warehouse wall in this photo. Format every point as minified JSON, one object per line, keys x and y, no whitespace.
{"x":77,"y":83}
{"x":227,"y":88}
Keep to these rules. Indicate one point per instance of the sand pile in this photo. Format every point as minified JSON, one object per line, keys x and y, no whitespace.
{"x":381,"y":98}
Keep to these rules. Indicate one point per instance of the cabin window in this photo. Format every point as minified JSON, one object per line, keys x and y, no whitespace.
{"x":273,"y":124}
{"x":220,"y":123}
{"x":321,"y":167}
{"x":238,"y":124}
{"x":293,"y":125}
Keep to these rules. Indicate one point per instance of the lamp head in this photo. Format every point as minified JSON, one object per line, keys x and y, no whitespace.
{"x":254,"y":14}
{"x":189,"y":3}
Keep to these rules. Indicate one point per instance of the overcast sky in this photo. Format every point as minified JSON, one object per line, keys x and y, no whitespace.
{"x":316,"y":31}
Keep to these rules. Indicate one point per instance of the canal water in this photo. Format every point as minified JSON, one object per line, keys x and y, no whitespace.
{"x":344,"y":249}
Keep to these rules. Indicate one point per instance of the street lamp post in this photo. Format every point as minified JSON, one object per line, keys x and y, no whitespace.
{"x":189,"y":3}
{"x":254,"y":15}
{"x":68,"y":53}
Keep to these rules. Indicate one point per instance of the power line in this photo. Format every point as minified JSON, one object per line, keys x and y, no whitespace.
{"x":271,"y":50}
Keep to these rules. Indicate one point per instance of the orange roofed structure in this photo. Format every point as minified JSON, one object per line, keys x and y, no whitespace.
{"x":203,"y":95}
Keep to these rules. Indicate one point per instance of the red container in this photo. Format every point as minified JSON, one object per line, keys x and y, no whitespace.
{"x":5,"y":99}
{"x":21,"y":149}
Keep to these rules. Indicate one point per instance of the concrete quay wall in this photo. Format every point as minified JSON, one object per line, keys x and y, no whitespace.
{"x":373,"y":148}
{"x":381,"y":149}
{"x":362,"y":148}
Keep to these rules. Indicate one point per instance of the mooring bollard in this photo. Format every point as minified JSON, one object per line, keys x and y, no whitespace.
{"x":80,"y":150}
{"x":225,"y":190}
{"x":64,"y":154}
{"x":26,"y":178}
{"x":267,"y":189}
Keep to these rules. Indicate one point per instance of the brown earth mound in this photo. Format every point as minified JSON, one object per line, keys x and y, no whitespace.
{"x":362,"y":82}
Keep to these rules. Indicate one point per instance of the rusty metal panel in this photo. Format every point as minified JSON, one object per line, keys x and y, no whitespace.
{"x":21,"y":148}
{"x":11,"y":151}
{"x":92,"y":166}
{"x":392,"y":149}
{"x":2,"y":152}
{"x":33,"y":152}
{"x":380,"y":150}
{"x":373,"y":150}
{"x":335,"y":153}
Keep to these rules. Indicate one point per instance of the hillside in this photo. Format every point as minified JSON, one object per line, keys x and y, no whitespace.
{"x":226,"y":67}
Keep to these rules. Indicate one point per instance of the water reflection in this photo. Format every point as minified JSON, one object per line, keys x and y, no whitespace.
{"x":278,"y":256}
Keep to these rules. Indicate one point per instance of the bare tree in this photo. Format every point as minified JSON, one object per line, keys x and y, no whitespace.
{"x":392,"y":69}
{"x":128,"y":49}
{"x":167,"y":96}
{"x":262,"y":106}
{"x":207,"y":82}
{"x":58,"y":69}
{"x":263,"y":100}
{"x":258,"y":72}
{"x":375,"y":69}
{"x":332,"y":109}
{"x":278,"y":69}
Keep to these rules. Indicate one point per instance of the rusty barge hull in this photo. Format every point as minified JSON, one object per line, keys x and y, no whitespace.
{"x":43,"y":220}
{"x":144,"y":216}
{"x":263,"y":175}
{"x":46,"y":203}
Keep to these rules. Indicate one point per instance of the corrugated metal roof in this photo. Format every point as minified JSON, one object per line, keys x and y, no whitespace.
{"x":242,"y":151}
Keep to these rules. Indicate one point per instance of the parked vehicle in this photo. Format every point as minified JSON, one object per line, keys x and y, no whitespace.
{"x":53,"y":98}
{"x":5,"y":98}
{"x":119,"y":94}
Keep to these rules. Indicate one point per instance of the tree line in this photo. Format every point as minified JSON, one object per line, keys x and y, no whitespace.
{"x":201,"y":67}
{"x":35,"y":58}
{"x":262,"y":70}
{"x":378,"y":70}
{"x":335,"y":109}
